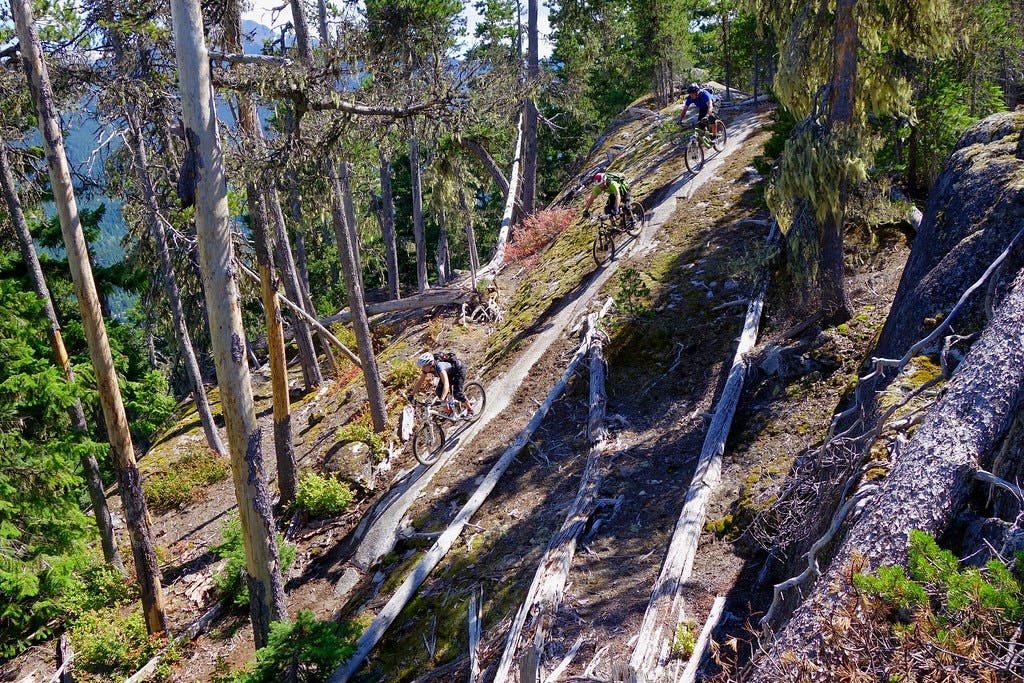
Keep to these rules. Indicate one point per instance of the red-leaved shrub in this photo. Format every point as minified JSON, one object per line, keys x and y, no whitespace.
{"x":534,"y":232}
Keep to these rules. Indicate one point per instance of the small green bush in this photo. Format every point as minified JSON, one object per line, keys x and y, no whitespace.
{"x":633,"y":293}
{"x":230,"y":581}
{"x":323,"y":496}
{"x":309,"y":648}
{"x":183,"y":482}
{"x":402,"y":372}
{"x":360,"y":432}
{"x":93,"y":587}
{"x":110,"y":645}
{"x":684,"y":642}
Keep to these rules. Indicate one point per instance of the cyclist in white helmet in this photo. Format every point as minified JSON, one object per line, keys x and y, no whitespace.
{"x":448,"y":370}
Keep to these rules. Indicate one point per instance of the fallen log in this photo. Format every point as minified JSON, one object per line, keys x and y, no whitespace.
{"x":666,"y":609}
{"x":438,"y":296}
{"x":373,"y":633}
{"x":545,"y":593}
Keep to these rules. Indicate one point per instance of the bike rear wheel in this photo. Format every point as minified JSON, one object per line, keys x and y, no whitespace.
{"x":477,"y":398}
{"x":427,"y":442}
{"x":719,"y":136}
{"x":604,"y":247}
{"x":637,"y":217}
{"x":694,"y":156}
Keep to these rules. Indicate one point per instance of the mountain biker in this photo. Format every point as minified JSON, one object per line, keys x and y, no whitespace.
{"x":701,"y":98}
{"x":450,"y":379}
{"x":617,"y":192}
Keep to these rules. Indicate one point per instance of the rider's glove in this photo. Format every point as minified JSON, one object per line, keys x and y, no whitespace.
{"x":409,"y":397}
{"x":586,"y":213}
{"x":614,"y":212}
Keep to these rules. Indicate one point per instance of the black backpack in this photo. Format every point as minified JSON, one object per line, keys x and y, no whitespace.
{"x":448,"y":357}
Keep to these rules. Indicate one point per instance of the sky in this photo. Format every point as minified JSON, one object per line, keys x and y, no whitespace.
{"x":270,"y":14}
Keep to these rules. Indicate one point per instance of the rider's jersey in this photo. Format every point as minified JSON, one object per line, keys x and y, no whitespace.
{"x":702,"y":100}
{"x":611,"y":187}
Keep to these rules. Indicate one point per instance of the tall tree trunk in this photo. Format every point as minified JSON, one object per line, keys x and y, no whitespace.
{"x":474,"y":257}
{"x":287,"y":478}
{"x":533,"y":76}
{"x":344,"y":229}
{"x":181,"y":333}
{"x":835,"y":301}
{"x":441,"y":256}
{"x":90,"y":468}
{"x":387,"y":225}
{"x":114,"y":416}
{"x":263,"y":567}
{"x":321,"y":15}
{"x":311,"y":374}
{"x":418,"y":232}
{"x":252,"y":136}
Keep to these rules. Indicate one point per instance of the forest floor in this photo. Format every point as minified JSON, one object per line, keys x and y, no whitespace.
{"x":667,"y":361}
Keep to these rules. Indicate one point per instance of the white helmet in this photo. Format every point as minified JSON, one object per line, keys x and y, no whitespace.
{"x":424,"y":359}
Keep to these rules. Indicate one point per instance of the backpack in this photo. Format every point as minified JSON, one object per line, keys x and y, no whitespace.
{"x":618,"y":178}
{"x":448,"y":357}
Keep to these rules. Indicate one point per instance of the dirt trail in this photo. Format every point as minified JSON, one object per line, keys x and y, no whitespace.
{"x":513,"y":528}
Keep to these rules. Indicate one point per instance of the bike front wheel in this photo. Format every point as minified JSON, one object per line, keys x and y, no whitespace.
{"x":477,"y":399}
{"x":694,"y":156}
{"x":427,"y":442}
{"x":604,"y":247}
{"x":636,"y":219}
{"x":719,"y":136}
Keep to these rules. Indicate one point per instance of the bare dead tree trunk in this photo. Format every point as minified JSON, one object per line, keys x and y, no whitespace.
{"x":474,"y":256}
{"x":387,"y":225}
{"x":418,"y":232}
{"x":263,"y":567}
{"x":530,"y":133}
{"x":252,"y":135}
{"x":181,"y":333}
{"x":287,"y":476}
{"x":136,"y":515}
{"x":90,"y":467}
{"x":344,"y":222}
{"x":311,"y":375}
{"x":442,"y":257}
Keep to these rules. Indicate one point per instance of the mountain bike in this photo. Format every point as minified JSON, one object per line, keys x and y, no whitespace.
{"x":630,"y":222}
{"x":429,"y":437}
{"x":701,"y":138}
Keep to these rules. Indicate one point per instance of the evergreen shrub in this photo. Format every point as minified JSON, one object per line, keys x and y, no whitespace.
{"x":323,"y":496}
{"x":230,"y":581}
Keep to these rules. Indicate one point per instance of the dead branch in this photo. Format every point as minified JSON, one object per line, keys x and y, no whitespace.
{"x":812,"y":571}
{"x":666,"y":607}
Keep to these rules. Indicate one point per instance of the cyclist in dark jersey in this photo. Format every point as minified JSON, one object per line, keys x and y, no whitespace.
{"x":701,"y":98}
{"x":450,"y":379}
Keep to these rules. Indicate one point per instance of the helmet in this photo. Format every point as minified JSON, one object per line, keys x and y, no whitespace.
{"x":600,"y":178}
{"x":424,"y":359}
{"x":692,"y":88}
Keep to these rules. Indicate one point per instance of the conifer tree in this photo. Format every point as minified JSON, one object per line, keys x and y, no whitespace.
{"x":136,"y":515}
{"x":835,"y":69}
{"x":60,"y":355}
